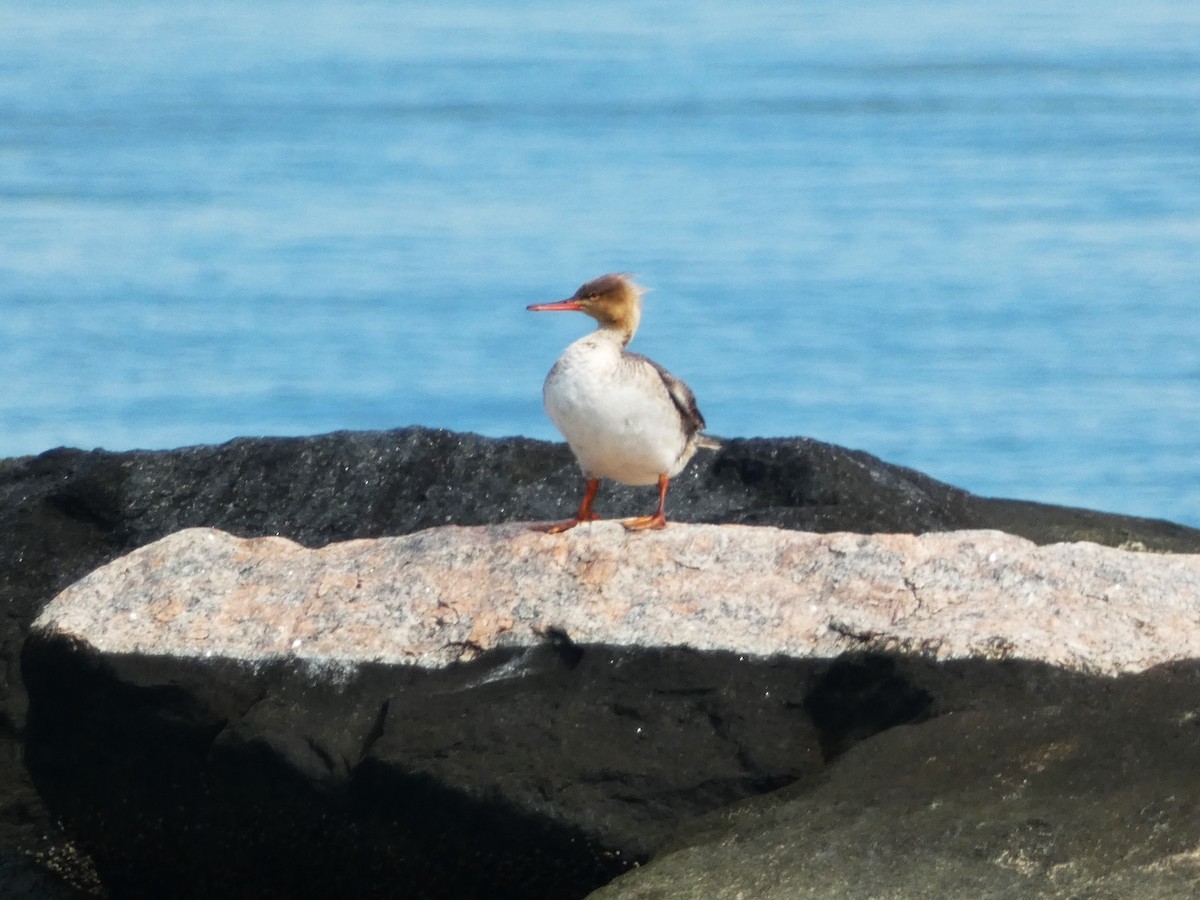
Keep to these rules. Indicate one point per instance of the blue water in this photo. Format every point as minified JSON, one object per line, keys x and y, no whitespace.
{"x":964,"y":237}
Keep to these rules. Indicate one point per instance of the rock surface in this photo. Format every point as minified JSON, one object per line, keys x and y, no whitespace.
{"x":66,"y":512}
{"x":1096,"y":797}
{"x":447,"y":594}
{"x":495,"y":712}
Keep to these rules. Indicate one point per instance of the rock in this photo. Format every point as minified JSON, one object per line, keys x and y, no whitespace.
{"x":471,"y":712}
{"x":1093,"y":797}
{"x":66,"y":512}
{"x":448,"y":594}
{"x":28,"y":878}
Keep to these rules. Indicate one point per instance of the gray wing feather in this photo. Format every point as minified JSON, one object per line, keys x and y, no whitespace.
{"x":681,"y":395}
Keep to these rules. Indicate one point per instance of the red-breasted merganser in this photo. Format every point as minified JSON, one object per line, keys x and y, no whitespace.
{"x":624,"y":416}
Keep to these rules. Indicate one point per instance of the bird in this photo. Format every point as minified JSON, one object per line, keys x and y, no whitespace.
{"x":623,"y":415}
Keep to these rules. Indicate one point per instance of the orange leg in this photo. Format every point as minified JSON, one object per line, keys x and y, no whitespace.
{"x":585,"y":513}
{"x":659,"y":519}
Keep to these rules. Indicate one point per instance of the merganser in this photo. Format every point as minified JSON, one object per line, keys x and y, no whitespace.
{"x":624,"y":416}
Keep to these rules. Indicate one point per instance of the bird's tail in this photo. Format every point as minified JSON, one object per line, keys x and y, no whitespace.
{"x":705,"y":442}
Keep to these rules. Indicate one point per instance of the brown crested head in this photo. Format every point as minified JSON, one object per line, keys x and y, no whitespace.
{"x":613,"y":300}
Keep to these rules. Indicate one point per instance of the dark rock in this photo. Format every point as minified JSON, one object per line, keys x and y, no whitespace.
{"x":514,"y":776}
{"x":527,"y":775}
{"x":1083,"y":789}
{"x":30,"y":876}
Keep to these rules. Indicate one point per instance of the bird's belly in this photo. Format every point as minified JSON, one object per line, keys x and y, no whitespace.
{"x":615,"y":430}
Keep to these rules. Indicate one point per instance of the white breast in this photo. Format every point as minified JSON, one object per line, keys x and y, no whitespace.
{"x":615,"y":413}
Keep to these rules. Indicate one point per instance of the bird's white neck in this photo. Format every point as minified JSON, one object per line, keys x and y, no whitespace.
{"x":620,"y":333}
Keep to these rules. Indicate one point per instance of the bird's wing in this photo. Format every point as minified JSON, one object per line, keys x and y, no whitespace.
{"x":681,"y":395}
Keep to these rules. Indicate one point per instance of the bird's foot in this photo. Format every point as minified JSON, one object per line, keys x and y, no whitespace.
{"x":646,"y":523}
{"x":560,"y":527}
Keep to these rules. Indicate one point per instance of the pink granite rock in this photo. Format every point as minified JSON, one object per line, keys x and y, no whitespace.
{"x":447,"y":594}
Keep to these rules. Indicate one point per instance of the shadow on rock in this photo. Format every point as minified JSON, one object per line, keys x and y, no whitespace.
{"x":529,"y":774}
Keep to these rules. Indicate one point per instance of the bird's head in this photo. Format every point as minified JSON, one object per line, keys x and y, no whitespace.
{"x":613,"y":300}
